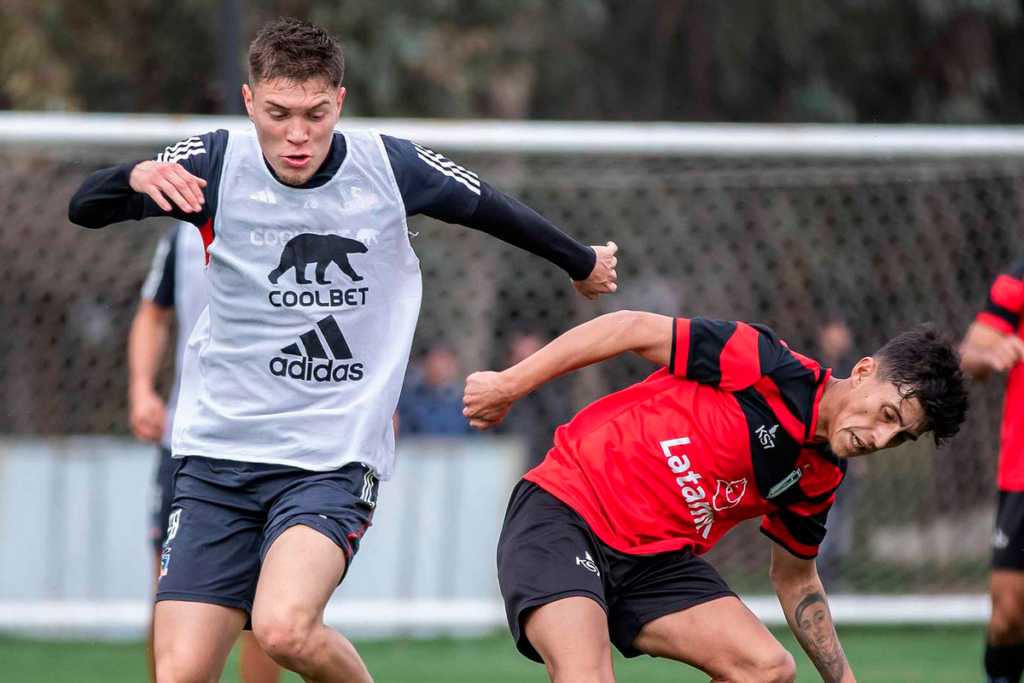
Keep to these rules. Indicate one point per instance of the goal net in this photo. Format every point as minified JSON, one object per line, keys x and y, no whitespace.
{"x":836,"y":237}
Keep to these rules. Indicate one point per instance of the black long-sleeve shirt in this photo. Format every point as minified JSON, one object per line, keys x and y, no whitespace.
{"x":429,"y":184}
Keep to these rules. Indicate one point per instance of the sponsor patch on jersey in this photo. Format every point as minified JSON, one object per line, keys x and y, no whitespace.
{"x":728,"y":494}
{"x":322,"y":354}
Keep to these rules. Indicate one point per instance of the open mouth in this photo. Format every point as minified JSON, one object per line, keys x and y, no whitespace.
{"x":297,"y":160}
{"x":858,"y":445}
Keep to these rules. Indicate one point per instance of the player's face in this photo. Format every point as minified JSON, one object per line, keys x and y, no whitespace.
{"x":294,"y":123}
{"x":874,"y":416}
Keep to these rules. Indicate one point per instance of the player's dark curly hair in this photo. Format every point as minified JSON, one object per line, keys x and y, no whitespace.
{"x":297,"y":51}
{"x":924,"y":364}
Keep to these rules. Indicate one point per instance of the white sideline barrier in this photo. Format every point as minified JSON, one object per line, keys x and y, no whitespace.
{"x":703,"y":139}
{"x":368,"y":618}
{"x":74,"y":557}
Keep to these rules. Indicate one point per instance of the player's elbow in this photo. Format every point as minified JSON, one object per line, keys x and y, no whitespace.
{"x":627,"y":328}
{"x":79,"y":214}
{"x":646,"y":334}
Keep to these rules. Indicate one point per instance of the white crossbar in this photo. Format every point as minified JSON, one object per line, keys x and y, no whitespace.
{"x":696,"y":139}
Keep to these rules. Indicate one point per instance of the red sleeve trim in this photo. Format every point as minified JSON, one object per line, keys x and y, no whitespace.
{"x":680,"y":347}
{"x":995,"y":322}
{"x":804,"y":552}
{"x":809,"y":509}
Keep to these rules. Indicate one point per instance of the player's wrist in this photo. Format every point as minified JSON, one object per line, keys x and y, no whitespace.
{"x":140,"y":390}
{"x":512,"y":384}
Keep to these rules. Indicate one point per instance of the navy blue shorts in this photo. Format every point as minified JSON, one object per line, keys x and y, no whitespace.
{"x":163,"y":496}
{"x":226,"y":515}
{"x":547,"y":552}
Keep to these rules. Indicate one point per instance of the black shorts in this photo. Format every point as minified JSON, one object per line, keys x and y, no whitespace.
{"x":163,"y":496}
{"x":1008,"y":536}
{"x":226,"y":515}
{"x":547,"y":552}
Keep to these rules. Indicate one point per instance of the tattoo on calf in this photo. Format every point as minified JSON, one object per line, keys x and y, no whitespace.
{"x":818,"y":637}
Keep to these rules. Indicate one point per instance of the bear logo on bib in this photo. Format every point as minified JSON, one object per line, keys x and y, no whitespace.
{"x":323,"y":250}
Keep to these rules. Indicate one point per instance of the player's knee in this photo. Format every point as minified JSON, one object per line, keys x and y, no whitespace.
{"x":770,"y":666}
{"x":581,"y":672}
{"x":286,"y":638}
{"x":179,"y":667}
{"x":1006,"y":625}
{"x":778,"y":667}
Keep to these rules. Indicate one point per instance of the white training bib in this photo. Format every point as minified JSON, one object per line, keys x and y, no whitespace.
{"x":314,"y":296}
{"x":189,"y":301}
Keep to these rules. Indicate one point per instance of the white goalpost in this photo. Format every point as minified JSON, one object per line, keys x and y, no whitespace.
{"x":886,"y":225}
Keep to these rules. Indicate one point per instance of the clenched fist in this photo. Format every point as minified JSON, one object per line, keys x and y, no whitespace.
{"x":487,"y":399}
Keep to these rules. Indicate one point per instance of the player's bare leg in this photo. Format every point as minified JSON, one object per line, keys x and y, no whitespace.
{"x":254,"y":664}
{"x":150,"y":654}
{"x":299,"y":574}
{"x":723,"y":639}
{"x":571,"y":636}
{"x":193,"y":640}
{"x":1006,"y":625}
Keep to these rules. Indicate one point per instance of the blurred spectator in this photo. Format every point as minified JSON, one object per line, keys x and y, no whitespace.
{"x":835,"y":350}
{"x":431,"y":402}
{"x":536,"y":417}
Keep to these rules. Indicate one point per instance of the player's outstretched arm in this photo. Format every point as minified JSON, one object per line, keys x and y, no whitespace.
{"x":489,"y":395}
{"x":986,"y":350}
{"x":432,"y":185}
{"x":181,"y":182}
{"x":804,"y":603}
{"x":112,"y":195}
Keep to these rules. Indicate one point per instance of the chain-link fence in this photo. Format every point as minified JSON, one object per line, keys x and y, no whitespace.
{"x":836,"y":254}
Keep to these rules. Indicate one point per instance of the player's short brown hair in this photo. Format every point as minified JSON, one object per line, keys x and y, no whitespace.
{"x":297,"y":51}
{"x":924,"y":363}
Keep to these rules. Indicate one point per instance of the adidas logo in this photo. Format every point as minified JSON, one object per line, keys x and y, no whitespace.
{"x":311,"y":361}
{"x":265,"y":195}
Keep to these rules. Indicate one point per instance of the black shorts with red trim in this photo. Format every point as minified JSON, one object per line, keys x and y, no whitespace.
{"x":226,"y":515}
{"x":1008,"y":536}
{"x":547,"y":552}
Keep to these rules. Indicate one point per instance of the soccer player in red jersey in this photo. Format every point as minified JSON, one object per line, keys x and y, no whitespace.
{"x":601,"y":543}
{"x":993,"y":344}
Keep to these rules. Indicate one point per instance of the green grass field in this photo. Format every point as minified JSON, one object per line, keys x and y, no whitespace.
{"x":880,"y":655}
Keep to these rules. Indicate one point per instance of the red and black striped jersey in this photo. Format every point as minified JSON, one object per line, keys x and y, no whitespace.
{"x":722,"y":435}
{"x":1003,"y":312}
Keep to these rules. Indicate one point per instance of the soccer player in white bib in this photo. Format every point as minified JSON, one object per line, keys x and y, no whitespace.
{"x":292,"y":374}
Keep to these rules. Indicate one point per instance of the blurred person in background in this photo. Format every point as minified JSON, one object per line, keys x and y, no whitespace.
{"x":174,"y":293}
{"x":601,"y":543}
{"x":431,"y":402}
{"x":835,"y":350}
{"x":993,"y":344}
{"x":289,"y":385}
{"x":539,"y":414}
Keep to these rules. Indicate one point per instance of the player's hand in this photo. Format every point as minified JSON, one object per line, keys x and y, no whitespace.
{"x":602,"y":277}
{"x":147,"y":416}
{"x":1006,"y":353}
{"x":486,"y":399}
{"x":167,"y":182}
